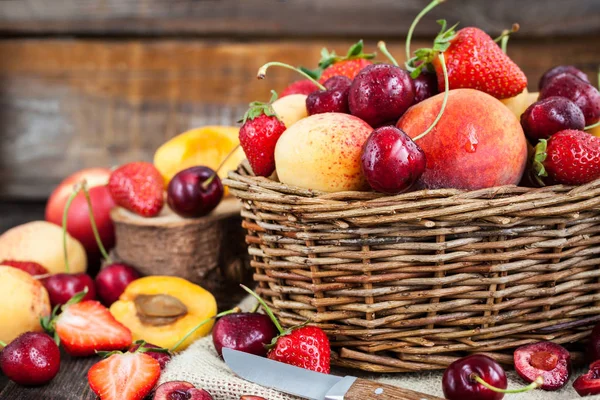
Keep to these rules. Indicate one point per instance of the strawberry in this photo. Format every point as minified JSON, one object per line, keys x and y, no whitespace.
{"x":302,"y":346}
{"x":85,"y":327}
{"x":32,"y":268}
{"x":305,"y":86}
{"x":349,"y":65}
{"x":259,"y":134}
{"x":124,"y":376}
{"x":138,"y":187}
{"x":569,"y":157}
{"x":475,"y":61}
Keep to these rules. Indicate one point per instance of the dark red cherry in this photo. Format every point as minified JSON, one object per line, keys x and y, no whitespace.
{"x":334,"y":99}
{"x":190,"y":196}
{"x":380,"y":94}
{"x":31,"y":359}
{"x":458,"y":382}
{"x":391,"y":162}
{"x":61,"y":287}
{"x":112,"y":280}
{"x":553,"y":114}
{"x":580,"y":92}
{"x":559,"y":69}
{"x":426,"y":86}
{"x":162,"y":357}
{"x":589,"y":383}
{"x":247,"y":332}
{"x":593,"y":348}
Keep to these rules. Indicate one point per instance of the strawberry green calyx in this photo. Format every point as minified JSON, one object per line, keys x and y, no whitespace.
{"x":425,"y":56}
{"x":539,"y":157}
{"x":48,"y":323}
{"x":257,"y":108}
{"x":355,"y":52}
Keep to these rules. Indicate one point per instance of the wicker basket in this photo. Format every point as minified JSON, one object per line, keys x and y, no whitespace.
{"x":414,"y":281}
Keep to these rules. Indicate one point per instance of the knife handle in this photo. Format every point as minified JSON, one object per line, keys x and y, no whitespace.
{"x":364,"y":389}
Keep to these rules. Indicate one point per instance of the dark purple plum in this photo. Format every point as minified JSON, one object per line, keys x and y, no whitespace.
{"x":580,"y":92}
{"x":247,"y":332}
{"x":61,"y":287}
{"x":334,"y":99}
{"x":189,"y":194}
{"x":380,"y":94}
{"x":553,"y":114}
{"x":391,"y":162}
{"x":426,"y":86}
{"x":559,"y":69}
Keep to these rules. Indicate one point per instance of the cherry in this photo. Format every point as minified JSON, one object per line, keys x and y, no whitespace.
{"x":31,"y":359}
{"x":426,"y":86}
{"x":478,"y":377}
{"x":163,"y":356}
{"x":553,"y":114}
{"x":112,"y":280}
{"x":559,"y":69}
{"x":593,"y":348}
{"x":61,"y":287}
{"x":334,"y":99}
{"x":391,"y":162}
{"x":180,"y":390}
{"x":546,"y":359}
{"x":380,"y":94}
{"x":580,"y":92}
{"x":194,"y":192}
{"x":589,"y":384}
{"x":247,"y":332}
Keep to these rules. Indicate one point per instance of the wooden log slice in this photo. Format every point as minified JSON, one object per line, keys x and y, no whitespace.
{"x":209,"y":251}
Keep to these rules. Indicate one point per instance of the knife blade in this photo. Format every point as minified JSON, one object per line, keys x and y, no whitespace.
{"x":312,"y":385}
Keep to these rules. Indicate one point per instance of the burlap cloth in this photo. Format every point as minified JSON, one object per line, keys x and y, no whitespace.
{"x":201,"y":366}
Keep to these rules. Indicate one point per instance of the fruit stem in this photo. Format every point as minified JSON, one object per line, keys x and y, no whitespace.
{"x":86,"y":193}
{"x":255,"y":308}
{"x":592,"y":126}
{"x":539,"y":381}
{"x":266,"y":308}
{"x":424,"y":11}
{"x":503,"y":38}
{"x":2,"y":344}
{"x":444,"y":101}
{"x":262,"y":72}
{"x":381,"y":46}
{"x":72,"y":196}
{"x":201,"y":324}
{"x":207,"y":182}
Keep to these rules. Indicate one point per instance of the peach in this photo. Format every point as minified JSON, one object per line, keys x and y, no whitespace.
{"x":291,"y":109}
{"x":519,"y":103}
{"x":477,"y":143}
{"x":24,"y":302}
{"x":42,"y":242}
{"x":322,"y":152}
{"x":163,"y":309}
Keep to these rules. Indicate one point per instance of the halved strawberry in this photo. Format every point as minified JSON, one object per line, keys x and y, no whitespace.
{"x":32,"y":268}
{"x":138,"y":187}
{"x":124,"y":376}
{"x":86,"y":327}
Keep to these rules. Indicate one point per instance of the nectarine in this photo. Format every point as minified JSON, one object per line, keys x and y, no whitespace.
{"x":477,"y":143}
{"x":322,"y":152}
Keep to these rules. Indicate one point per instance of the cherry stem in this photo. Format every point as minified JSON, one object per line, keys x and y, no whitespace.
{"x":101,"y":247}
{"x":424,"y":11}
{"x":2,"y":343}
{"x":592,"y":126}
{"x":266,"y":308}
{"x":262,"y":72}
{"x":381,"y":46}
{"x":444,"y":101}
{"x":207,"y":182}
{"x":72,"y":196}
{"x":201,"y":324}
{"x":503,"y":38}
{"x":255,"y":308}
{"x":539,"y":381}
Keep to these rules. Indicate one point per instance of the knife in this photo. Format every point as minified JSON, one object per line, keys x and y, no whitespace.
{"x":312,"y":385}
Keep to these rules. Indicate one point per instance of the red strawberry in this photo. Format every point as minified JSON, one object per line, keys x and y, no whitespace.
{"x":124,"y":376}
{"x":259,"y":134}
{"x":32,"y":268}
{"x":306,"y":347}
{"x":86,"y":327}
{"x":305,"y":86}
{"x":475,"y":61}
{"x":569,"y":157}
{"x":349,"y":65}
{"x":138,"y":187}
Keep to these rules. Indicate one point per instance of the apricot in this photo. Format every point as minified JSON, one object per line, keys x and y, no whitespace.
{"x":23,"y":302}
{"x":594,"y":131}
{"x":163,"y":309}
{"x":478,"y":142}
{"x":322,"y":152}
{"x":206,"y":146}
{"x":291,"y":109}
{"x":42,"y":242}
{"x":519,"y":103}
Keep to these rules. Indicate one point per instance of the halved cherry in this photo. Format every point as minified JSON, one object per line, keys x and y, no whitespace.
{"x":546,"y":359}
{"x":589,"y":384}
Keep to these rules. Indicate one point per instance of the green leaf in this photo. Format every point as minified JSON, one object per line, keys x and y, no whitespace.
{"x":106,"y":354}
{"x":355,"y":49}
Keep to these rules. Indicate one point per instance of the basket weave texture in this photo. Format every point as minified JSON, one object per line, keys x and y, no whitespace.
{"x":412,"y":282}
